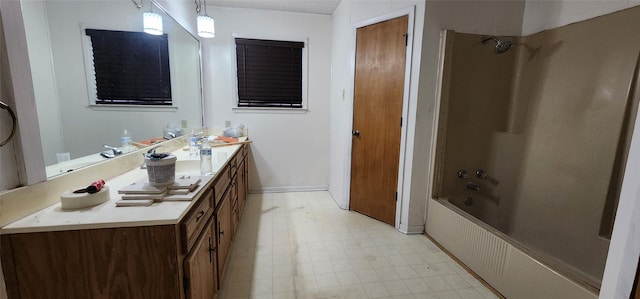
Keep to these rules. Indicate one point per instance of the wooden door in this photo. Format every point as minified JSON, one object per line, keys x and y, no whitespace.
{"x":377,"y":117}
{"x":200,"y":267}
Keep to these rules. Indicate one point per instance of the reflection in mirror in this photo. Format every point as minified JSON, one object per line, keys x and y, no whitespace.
{"x":62,"y":67}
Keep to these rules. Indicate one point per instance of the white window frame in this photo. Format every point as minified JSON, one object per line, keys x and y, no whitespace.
{"x":90,"y":76}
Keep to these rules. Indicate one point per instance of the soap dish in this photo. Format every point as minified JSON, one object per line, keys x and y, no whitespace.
{"x":70,"y":200}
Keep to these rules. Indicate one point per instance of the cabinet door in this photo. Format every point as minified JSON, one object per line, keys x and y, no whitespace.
{"x":234,"y":205}
{"x":234,"y":218}
{"x":200,"y":267}
{"x":242,"y":186}
{"x":125,"y":262}
{"x":223,"y":220}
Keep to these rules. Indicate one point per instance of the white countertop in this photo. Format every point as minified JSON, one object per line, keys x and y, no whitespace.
{"x":107,"y":215}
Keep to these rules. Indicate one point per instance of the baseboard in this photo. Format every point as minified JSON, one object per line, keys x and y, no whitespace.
{"x":411,"y":229}
{"x":288,"y":189}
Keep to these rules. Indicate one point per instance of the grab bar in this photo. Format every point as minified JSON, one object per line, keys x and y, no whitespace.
{"x":13,"y":122}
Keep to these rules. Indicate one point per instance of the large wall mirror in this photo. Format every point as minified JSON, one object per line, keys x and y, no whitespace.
{"x":70,"y":121}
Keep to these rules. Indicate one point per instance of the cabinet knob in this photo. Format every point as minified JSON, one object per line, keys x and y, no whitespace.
{"x":212,"y":249}
{"x":220,"y":232}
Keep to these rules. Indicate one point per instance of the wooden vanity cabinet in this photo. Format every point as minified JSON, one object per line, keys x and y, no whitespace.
{"x":184,"y":260}
{"x":124,"y":262}
{"x":229,"y":208}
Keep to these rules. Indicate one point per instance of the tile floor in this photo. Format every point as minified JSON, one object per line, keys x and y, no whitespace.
{"x":301,"y":245}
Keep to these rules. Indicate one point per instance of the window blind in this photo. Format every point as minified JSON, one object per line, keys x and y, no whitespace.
{"x":131,"y":67}
{"x":269,"y":73}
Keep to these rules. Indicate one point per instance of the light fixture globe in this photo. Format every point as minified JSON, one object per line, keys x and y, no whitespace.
{"x":152,"y":23}
{"x":206,"y":26}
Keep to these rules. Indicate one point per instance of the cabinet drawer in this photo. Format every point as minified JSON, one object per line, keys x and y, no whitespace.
{"x":197,"y":218}
{"x":221,"y":183}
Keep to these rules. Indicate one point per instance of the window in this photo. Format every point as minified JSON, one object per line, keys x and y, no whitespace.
{"x":270,"y":73}
{"x":131,"y":68}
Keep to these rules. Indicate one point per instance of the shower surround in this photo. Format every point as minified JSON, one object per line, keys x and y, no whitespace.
{"x":548,"y":121}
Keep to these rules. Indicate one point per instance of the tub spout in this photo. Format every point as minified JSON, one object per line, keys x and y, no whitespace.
{"x":472,"y":186}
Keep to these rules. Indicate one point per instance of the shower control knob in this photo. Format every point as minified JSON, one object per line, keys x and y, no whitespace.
{"x":481,"y":174}
{"x":462,"y":174}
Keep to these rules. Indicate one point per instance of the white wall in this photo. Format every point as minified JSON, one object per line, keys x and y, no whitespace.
{"x":45,"y":90}
{"x":342,"y":66}
{"x":542,"y":15}
{"x":9,"y":177}
{"x":290,"y":151}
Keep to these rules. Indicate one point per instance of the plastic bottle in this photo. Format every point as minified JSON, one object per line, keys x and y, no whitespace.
{"x":126,"y":141}
{"x":193,"y":144}
{"x":205,"y":159}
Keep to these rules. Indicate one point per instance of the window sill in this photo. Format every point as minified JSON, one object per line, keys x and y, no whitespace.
{"x":133,"y":108}
{"x":273,"y":110}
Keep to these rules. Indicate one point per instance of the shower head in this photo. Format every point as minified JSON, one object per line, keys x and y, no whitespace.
{"x":501,"y":45}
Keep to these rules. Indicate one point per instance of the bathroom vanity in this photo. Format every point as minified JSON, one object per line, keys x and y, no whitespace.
{"x":174,"y":249}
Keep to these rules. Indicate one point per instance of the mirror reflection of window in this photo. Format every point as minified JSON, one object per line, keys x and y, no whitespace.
{"x":136,"y":72}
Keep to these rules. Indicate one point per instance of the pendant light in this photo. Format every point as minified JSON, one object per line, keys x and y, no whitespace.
{"x":205,"y":24}
{"x":152,"y":22}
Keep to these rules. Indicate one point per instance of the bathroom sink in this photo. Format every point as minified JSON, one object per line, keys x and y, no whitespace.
{"x":191,"y":167}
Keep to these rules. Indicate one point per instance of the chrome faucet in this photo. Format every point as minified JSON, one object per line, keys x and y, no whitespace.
{"x":472,"y":186}
{"x":169,"y":135}
{"x":116,"y":151}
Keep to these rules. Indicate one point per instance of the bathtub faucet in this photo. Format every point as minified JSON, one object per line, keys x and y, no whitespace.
{"x":472,"y":186}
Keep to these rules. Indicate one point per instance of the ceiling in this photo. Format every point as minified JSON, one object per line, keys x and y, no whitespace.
{"x":308,"y":6}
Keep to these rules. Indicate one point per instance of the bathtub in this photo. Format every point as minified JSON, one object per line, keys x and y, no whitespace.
{"x":508,"y":267}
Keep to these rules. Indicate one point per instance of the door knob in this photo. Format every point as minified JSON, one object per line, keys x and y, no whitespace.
{"x":355,"y":133}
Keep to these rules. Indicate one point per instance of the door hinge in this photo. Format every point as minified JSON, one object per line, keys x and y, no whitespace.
{"x":396,"y":196}
{"x":185,"y":283}
{"x":401,"y":122}
{"x":406,"y":39}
